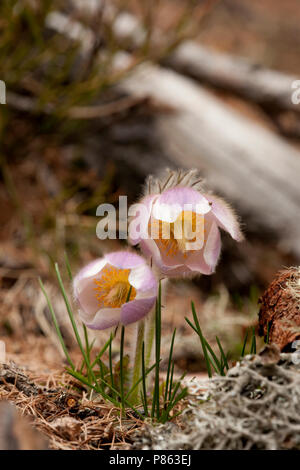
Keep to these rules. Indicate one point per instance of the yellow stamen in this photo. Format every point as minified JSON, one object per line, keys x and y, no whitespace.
{"x":113,"y":287}
{"x":179,"y":236}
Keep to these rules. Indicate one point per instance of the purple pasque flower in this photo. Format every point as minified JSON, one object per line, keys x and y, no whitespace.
{"x":178,"y":226}
{"x":102,"y":287}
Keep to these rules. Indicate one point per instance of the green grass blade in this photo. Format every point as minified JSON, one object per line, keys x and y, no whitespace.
{"x":223,"y":355}
{"x":126,"y":402}
{"x":173,"y":400}
{"x":101,"y":376}
{"x":207,"y":361}
{"x":139,"y":381}
{"x":121,"y":367}
{"x":171,"y":380}
{"x":85,"y":381}
{"x":144,"y":392}
{"x":100,"y":354}
{"x":82,"y":379}
{"x":111,"y":373}
{"x":68,"y":266}
{"x":86,"y":337}
{"x":129,"y":294}
{"x":165,"y":416}
{"x":74,"y":326}
{"x":253,"y":342}
{"x":215,"y":366}
{"x":155,"y":403}
{"x":169,"y":364}
{"x":215,"y":361}
{"x":54,"y":319}
{"x":244,"y":344}
{"x":176,"y":387}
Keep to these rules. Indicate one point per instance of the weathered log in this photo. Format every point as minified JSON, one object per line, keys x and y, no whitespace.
{"x":249,"y":164}
{"x":252,"y":81}
{"x":269,"y":88}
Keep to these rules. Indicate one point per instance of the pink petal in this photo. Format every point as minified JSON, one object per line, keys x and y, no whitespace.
{"x":136,"y":309}
{"x":90,"y":270}
{"x":124,"y":259}
{"x":143,"y":217}
{"x":172,"y":202}
{"x":179,"y":271}
{"x":142,"y":279}
{"x":197,"y":264}
{"x":105,"y":318}
{"x":151,"y":250}
{"x":226,"y":217}
{"x":84,"y":286}
{"x":212,"y":247}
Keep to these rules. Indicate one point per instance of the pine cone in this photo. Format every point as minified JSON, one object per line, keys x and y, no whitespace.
{"x":280,"y":309}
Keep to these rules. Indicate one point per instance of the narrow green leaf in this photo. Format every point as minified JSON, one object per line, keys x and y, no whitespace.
{"x":100,"y":354}
{"x":85,"y":381}
{"x":215,"y":361}
{"x":144,"y":392}
{"x":207,"y":361}
{"x":253,"y":343}
{"x":68,"y":266}
{"x":216,"y":366}
{"x":245,"y":343}
{"x":111,"y":373}
{"x":165,"y":416}
{"x":155,"y":404}
{"x":139,"y":381}
{"x":122,"y":367}
{"x":74,"y":326}
{"x":54,"y":319}
{"x":171,"y":380}
{"x":169,"y":364}
{"x":88,"y":347}
{"x":223,"y":355}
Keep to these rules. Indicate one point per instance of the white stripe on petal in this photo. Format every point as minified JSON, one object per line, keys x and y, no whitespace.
{"x":213,"y":246}
{"x":142,"y":278}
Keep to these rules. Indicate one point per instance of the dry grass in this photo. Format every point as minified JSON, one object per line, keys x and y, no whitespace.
{"x":63,"y":413}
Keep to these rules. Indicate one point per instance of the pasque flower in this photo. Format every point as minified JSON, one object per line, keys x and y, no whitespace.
{"x":101,"y":290}
{"x":178,"y":225}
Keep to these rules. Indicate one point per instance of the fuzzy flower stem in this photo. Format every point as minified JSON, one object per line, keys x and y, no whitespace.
{"x":151,"y":324}
{"x":149,"y":337}
{"x":137,"y":365}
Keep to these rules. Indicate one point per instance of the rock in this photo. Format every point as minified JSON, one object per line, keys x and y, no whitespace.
{"x":16,"y":433}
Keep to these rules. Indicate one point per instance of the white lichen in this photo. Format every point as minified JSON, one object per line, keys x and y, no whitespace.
{"x":256,"y":406}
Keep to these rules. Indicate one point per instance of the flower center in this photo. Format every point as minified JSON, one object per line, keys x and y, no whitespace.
{"x":113,"y":287}
{"x":185,"y":234}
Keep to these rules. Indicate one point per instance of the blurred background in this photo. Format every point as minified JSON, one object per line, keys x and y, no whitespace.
{"x":102,"y":93}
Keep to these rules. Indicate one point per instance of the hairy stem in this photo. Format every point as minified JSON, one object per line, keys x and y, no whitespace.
{"x":137,"y":366}
{"x":150,"y":331}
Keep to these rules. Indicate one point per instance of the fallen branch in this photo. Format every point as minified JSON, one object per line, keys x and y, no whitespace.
{"x":249,"y":164}
{"x":256,"y":83}
{"x":253,"y":167}
{"x":10,"y":374}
